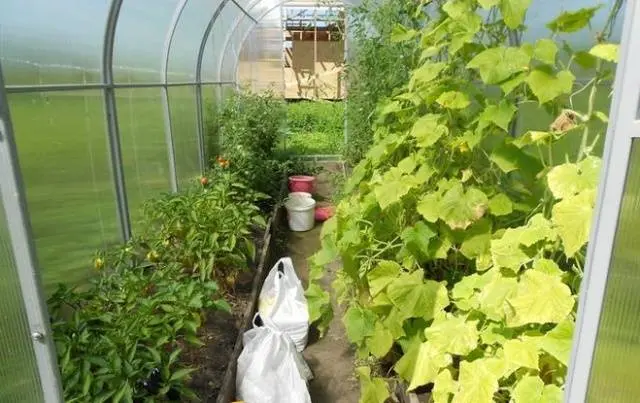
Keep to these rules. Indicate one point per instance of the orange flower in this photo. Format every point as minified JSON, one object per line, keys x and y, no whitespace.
{"x":222,"y":162}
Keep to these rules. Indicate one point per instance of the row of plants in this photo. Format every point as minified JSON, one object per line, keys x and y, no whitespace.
{"x":315,"y":127}
{"x":462,"y":245}
{"x":122,"y":337}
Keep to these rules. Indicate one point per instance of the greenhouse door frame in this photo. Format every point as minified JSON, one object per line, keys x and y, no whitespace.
{"x":24,"y":256}
{"x":624,"y":127}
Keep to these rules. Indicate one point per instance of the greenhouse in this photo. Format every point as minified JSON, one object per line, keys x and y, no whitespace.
{"x":366,"y":201}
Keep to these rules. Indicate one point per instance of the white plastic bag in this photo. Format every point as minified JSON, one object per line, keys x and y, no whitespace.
{"x":282,"y":300}
{"x":270,"y":369}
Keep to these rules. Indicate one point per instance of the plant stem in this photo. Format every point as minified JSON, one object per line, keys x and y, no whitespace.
{"x":590,"y":108}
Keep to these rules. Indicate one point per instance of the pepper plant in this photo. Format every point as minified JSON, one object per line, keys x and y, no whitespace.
{"x":462,"y":238}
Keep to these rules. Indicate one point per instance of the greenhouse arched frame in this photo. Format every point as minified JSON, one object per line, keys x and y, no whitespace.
{"x":223,"y":35}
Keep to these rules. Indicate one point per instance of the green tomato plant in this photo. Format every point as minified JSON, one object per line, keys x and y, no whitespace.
{"x":462,"y":238}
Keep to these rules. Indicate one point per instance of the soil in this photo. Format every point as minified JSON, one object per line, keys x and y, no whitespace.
{"x":331,"y":358}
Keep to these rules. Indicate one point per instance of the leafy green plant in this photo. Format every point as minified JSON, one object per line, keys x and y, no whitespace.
{"x":315,"y":127}
{"x":209,"y":228}
{"x":462,"y":245}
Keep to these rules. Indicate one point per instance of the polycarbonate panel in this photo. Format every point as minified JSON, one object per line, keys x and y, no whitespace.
{"x":64,"y":161}
{"x":211,"y":104}
{"x":52,"y":42}
{"x":221,"y":30}
{"x":139,"y":40}
{"x":144,"y":148}
{"x":233,"y":48}
{"x":616,"y":360}
{"x":188,"y":36}
{"x":182,"y":103}
{"x":19,"y":378}
{"x":209,"y":61}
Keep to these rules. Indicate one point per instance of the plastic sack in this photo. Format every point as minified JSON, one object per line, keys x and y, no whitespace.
{"x":282,"y":300}
{"x":270,"y":369}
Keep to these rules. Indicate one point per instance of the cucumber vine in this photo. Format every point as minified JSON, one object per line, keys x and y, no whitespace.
{"x":462,"y":238}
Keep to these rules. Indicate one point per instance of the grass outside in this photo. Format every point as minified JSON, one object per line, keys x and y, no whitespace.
{"x":314,"y":127}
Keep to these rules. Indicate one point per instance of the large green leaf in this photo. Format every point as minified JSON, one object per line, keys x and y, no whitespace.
{"x":380,"y":343}
{"x":513,"y":82}
{"x":443,"y":387}
{"x":539,"y":298}
{"x":372,"y":390}
{"x":477,"y":382}
{"x":513,"y":12}
{"x":319,"y":303}
{"x":429,"y":360}
{"x":459,"y":208}
{"x":545,"y":50}
{"x":531,"y":389}
{"x":500,"y":115}
{"x":569,"y":179}
{"x":521,"y":353}
{"x":426,"y":73}
{"x":417,"y":298}
{"x":558,"y":341}
{"x":417,"y":239}
{"x":359,"y":323}
{"x":427,"y":130}
{"x":477,"y":239}
{"x":500,"y":205}
{"x":510,"y":158}
{"x":453,"y":334}
{"x":429,"y":207}
{"x":498,"y":64}
{"x":572,"y":21}
{"x":605,"y":51}
{"x":572,"y":218}
{"x":506,"y":252}
{"x":546,"y":86}
{"x":493,"y":296}
{"x":537,"y":229}
{"x":382,"y":275}
{"x":453,"y":100}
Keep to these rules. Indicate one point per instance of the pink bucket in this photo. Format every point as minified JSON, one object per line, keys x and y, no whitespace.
{"x":302,"y":183}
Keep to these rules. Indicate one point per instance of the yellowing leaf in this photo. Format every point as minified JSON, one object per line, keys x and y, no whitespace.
{"x":459,"y":209}
{"x":428,"y":207}
{"x":453,"y":100}
{"x":605,"y":51}
{"x":382,"y":275}
{"x":477,"y":382}
{"x":426,"y":73}
{"x":428,"y":363}
{"x":547,"y":266}
{"x":443,"y":386}
{"x":417,"y":298}
{"x":545,"y":51}
{"x":531,"y":389}
{"x":492,"y":298}
{"x":500,"y":205}
{"x":546,"y":87}
{"x":569,"y":179}
{"x":539,"y":298}
{"x":519,"y":353}
{"x":487,"y":4}
{"x":506,"y":251}
{"x":372,"y":390}
{"x":380,"y":343}
{"x":453,"y":334}
{"x":477,"y":239}
{"x":513,"y":12}
{"x":558,"y":341}
{"x":498,"y":64}
{"x":572,"y":218}
{"x":427,"y":130}
{"x":537,"y":229}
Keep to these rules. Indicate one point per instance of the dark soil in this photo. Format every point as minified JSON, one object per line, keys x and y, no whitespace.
{"x":219,"y":333}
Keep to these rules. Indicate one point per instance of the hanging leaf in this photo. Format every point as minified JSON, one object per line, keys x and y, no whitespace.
{"x":459,"y":208}
{"x":372,"y":390}
{"x":429,"y":360}
{"x":500,"y":115}
{"x":572,"y":217}
{"x":519,"y":353}
{"x":514,"y":82}
{"x":500,"y":205}
{"x":382,"y":275}
{"x":558,"y":341}
{"x":477,"y":382}
{"x":453,"y":100}
{"x":540,"y":298}
{"x":453,"y":334}
{"x":506,"y":252}
{"x":545,"y":50}
{"x":605,"y":51}
{"x":569,"y":179}
{"x":380,"y":343}
{"x":477,"y":239}
{"x":572,"y":21}
{"x":426,"y":73}
{"x":513,"y":12}
{"x":546,"y":87}
{"x":531,"y":389}
{"x":537,"y":229}
{"x":443,"y":386}
{"x":417,"y":239}
{"x":493,"y":296}
{"x":547,"y":266}
{"x":417,"y":298}
{"x":498,"y":64}
{"x":427,"y":130}
{"x":359,"y":323}
{"x":428,"y":207}
{"x":400,"y":33}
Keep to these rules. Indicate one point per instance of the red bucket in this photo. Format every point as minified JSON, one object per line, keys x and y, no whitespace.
{"x":302,"y":183}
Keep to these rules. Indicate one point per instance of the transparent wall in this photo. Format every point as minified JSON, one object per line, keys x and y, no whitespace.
{"x":221,"y":33}
{"x":616,"y":361}
{"x":184,"y":124}
{"x":44,"y":42}
{"x":139,"y":40}
{"x":19,"y":378}
{"x":65,"y":165}
{"x":144,"y":147}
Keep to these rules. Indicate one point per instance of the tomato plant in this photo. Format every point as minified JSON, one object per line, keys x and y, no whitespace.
{"x":462,"y":238}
